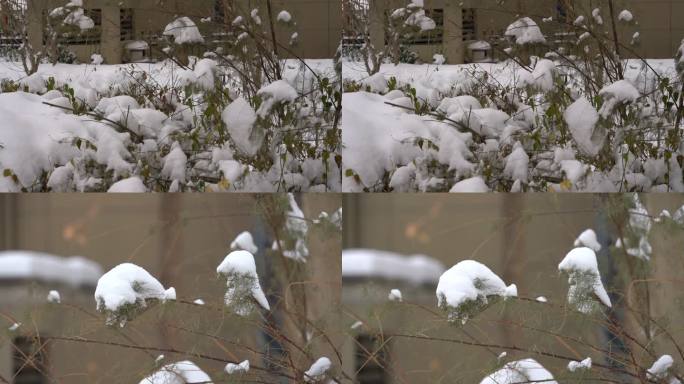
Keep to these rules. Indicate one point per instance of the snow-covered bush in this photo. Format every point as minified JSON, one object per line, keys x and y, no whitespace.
{"x":566,"y":113}
{"x":239,"y":270}
{"x":210,"y":117}
{"x":123,"y":292}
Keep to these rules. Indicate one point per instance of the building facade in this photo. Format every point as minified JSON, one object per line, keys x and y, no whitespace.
{"x":462,"y":23}
{"x":120,"y":26}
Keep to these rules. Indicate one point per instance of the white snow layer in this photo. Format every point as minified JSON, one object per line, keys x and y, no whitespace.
{"x":395,"y":295}
{"x":245,"y":242}
{"x":521,"y":371}
{"x":588,"y":239}
{"x":469,"y":282}
{"x":130,"y":185}
{"x":184,"y":31}
{"x":128,"y":285}
{"x":582,"y":118}
{"x":73,"y":271}
{"x":584,"y":278}
{"x":54,"y":297}
{"x":239,"y":269}
{"x":660,"y":368}
{"x":579,"y":365}
{"x":367,"y":263}
{"x":317,"y":371}
{"x":182,"y":372}
{"x":232,"y":368}
{"x":240,"y":118}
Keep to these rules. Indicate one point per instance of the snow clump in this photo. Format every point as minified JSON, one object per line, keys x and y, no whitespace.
{"x":585,"y":281}
{"x":232,"y":368}
{"x":465,"y":288}
{"x":318,"y":370}
{"x":580,"y":365}
{"x":242,"y":281}
{"x":184,"y":31}
{"x":121,"y":292}
{"x":245,"y":242}
{"x":588,"y":239}
{"x":525,"y":31}
{"x":182,"y":372}
{"x":521,"y":371}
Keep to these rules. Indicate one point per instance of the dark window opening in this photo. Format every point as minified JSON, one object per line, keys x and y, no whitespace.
{"x":469,"y":28}
{"x":126,"y":20}
{"x":371,"y":360}
{"x":219,"y":12}
{"x":29,"y":360}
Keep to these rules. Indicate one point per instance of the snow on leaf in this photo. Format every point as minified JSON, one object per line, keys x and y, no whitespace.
{"x":519,"y":372}
{"x":240,"y":118}
{"x":582,"y":118}
{"x":580,"y":365}
{"x":585,"y":280}
{"x":122,"y":292}
{"x":317,"y":372}
{"x":232,"y":368}
{"x":239,"y":270}
{"x":659,"y":369}
{"x":618,"y":93}
{"x":465,"y":288}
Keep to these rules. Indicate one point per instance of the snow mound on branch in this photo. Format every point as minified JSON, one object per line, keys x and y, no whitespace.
{"x":485,"y":122}
{"x":184,"y":31}
{"x":525,"y":31}
{"x":584,"y":278}
{"x":395,"y":295}
{"x":284,"y":16}
{"x":582,"y":118}
{"x":242,"y":281}
{"x":588,"y":239}
{"x":660,"y":368}
{"x":240,"y":118}
{"x":34,"y":83}
{"x":182,"y":372}
{"x":277,"y":93}
{"x":579,"y":365}
{"x":618,"y":93}
{"x":130,"y":185}
{"x":73,"y":271}
{"x":54,"y":297}
{"x":464,"y":289}
{"x":473,"y":185}
{"x":122,"y":292}
{"x":232,"y":368}
{"x":318,"y":370}
{"x":516,"y":164}
{"x":626,"y":16}
{"x":244,"y":241}
{"x":521,"y":371}
{"x":174,"y":164}
{"x":367,"y":263}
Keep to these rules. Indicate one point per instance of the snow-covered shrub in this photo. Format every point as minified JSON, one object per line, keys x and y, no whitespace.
{"x":467,"y":288}
{"x":122,"y":293}
{"x":586,"y":288}
{"x":561,"y":114}
{"x":244,"y":290}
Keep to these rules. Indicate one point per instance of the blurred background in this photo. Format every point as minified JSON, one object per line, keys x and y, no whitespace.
{"x":521,"y":238}
{"x":180,"y":240}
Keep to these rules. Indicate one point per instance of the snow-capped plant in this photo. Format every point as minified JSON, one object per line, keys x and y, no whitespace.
{"x":244,"y":290}
{"x":123,"y":292}
{"x":586,"y":288}
{"x":467,"y":288}
{"x":54,"y":297}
